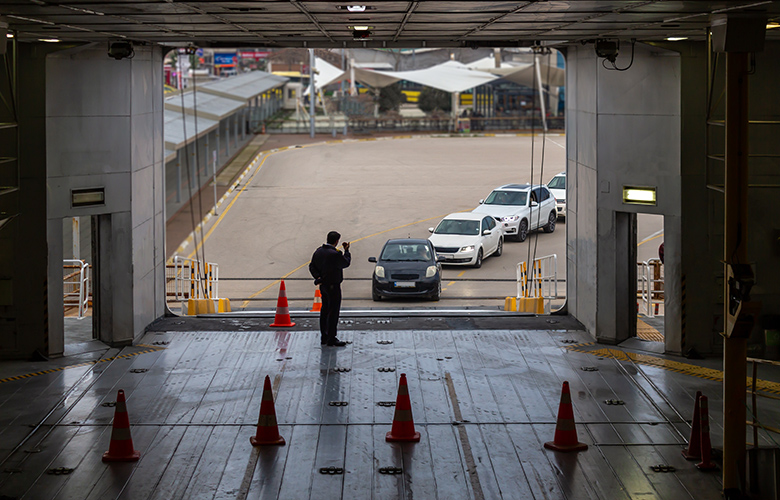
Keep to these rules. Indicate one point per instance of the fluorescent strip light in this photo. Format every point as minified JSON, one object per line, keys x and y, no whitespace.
{"x":772,"y":25}
{"x":639,"y":195}
{"x":676,"y":38}
{"x":48,"y":40}
{"x":87,"y":197}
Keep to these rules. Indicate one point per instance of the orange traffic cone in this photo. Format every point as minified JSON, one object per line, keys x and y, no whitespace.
{"x":121,"y":447}
{"x":706,"y":447}
{"x":403,"y":423}
{"x":317,"y":306}
{"x":565,"y":431}
{"x":282,"y":317}
{"x":267,"y":430}
{"x":694,"y":443}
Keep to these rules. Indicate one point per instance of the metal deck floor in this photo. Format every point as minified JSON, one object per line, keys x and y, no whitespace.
{"x":484,"y":401}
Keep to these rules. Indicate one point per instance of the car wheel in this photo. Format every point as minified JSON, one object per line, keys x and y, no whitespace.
{"x":522,"y":230}
{"x":478,"y":262}
{"x":499,"y":248}
{"x":550,"y":227}
{"x":375,"y":296}
{"x":437,"y":294}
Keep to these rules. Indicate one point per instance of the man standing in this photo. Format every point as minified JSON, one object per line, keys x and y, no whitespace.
{"x":327,"y":265}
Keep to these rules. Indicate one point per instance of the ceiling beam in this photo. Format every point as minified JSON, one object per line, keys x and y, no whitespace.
{"x":313,"y":20}
{"x":409,"y":11}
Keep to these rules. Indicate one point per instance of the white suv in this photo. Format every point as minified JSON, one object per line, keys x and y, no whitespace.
{"x":521,"y":208}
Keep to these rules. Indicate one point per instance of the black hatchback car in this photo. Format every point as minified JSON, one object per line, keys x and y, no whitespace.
{"x":406,"y":268}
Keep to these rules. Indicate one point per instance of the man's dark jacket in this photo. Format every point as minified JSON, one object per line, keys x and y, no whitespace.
{"x":327,"y":265}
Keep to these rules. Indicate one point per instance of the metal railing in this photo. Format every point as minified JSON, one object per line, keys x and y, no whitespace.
{"x":542,"y":281}
{"x":75,"y":283}
{"x":191,"y":279}
{"x":650,"y":286}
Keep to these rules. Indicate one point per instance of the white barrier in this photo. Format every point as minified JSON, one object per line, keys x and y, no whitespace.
{"x":651,"y":286}
{"x":542,"y":281}
{"x":76,"y":285}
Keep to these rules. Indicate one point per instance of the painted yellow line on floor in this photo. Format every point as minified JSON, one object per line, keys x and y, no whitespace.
{"x":674,"y":366}
{"x":88,"y":363}
{"x":230,"y":205}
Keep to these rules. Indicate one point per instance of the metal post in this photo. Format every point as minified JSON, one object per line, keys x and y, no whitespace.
{"x":76,"y":239}
{"x":178,"y":175}
{"x":735,"y":252}
{"x":311,"y":93}
{"x":541,"y":91}
{"x":214,"y":155}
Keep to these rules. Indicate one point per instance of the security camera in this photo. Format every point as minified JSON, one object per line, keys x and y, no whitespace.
{"x":608,"y":49}
{"x":121,"y":50}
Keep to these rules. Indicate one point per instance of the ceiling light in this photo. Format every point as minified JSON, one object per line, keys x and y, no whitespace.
{"x":639,"y":195}
{"x":359,"y":28}
{"x":356,"y":8}
{"x":9,"y":35}
{"x":676,"y":38}
{"x":772,"y":25}
{"x":48,"y":40}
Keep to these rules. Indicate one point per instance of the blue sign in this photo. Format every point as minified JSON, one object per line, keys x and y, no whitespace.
{"x":225,"y":59}
{"x":199,"y":52}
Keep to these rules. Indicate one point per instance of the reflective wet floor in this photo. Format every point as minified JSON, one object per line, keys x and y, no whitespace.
{"x":484,"y":401}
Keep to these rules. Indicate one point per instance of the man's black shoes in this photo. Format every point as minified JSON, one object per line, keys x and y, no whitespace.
{"x":337,"y":343}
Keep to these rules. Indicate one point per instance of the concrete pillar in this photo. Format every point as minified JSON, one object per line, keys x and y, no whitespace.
{"x":104,"y":123}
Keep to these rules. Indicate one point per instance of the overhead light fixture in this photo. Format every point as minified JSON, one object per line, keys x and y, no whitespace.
{"x":48,"y":40}
{"x":359,"y":28}
{"x":772,"y":25}
{"x":635,"y":195}
{"x":9,"y":35}
{"x":87,"y":197}
{"x":355,"y":8}
{"x":676,"y":38}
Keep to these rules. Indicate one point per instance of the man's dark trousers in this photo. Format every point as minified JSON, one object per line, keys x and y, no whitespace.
{"x":329,"y":314}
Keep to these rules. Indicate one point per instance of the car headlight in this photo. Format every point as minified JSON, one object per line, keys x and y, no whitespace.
{"x":511,"y":218}
{"x":469,"y":248}
{"x":379,"y":271}
{"x":430,"y":272}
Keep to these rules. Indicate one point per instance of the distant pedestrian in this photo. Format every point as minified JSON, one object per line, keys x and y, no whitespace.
{"x":661,"y":253}
{"x":327,"y":267}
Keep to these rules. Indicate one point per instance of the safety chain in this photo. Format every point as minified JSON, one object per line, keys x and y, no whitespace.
{"x":385,"y":403}
{"x":338,"y":403}
{"x":109,"y":404}
{"x":391,"y":470}
{"x":161,"y":342}
{"x":589,"y":368}
{"x":59,"y":471}
{"x":385,"y":369}
{"x":662,"y":468}
{"x":139,"y":370}
{"x":340,"y":369}
{"x":569,"y":341}
{"x":384,"y":342}
{"x":331,"y":470}
{"x":614,"y":402}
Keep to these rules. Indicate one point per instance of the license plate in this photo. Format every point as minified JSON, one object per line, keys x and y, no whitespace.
{"x":404,"y":284}
{"x":448,"y":257}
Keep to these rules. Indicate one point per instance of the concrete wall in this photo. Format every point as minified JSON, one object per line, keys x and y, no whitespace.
{"x":104,"y":122}
{"x":623,"y":128}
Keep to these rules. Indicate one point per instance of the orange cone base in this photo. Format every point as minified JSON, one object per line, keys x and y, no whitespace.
{"x":289,"y":323}
{"x":264,"y":442}
{"x":709,"y":466}
{"x":132,"y":457}
{"x":414,"y":438}
{"x":550,"y":445}
{"x":691,"y":456}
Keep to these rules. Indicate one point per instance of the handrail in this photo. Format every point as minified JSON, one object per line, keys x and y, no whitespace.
{"x":76,"y":290}
{"x":542,"y":282}
{"x":193,"y":279}
{"x":651,"y":285}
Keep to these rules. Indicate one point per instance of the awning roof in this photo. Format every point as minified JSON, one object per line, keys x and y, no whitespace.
{"x":243,"y":87}
{"x":180,"y":129}
{"x":209,"y":105}
{"x":450,"y":76}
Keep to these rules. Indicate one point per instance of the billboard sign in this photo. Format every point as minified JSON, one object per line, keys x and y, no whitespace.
{"x":225,"y":59}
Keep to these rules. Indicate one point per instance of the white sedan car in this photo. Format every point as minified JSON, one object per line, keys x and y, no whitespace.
{"x":557,"y":187}
{"x":467,"y":238}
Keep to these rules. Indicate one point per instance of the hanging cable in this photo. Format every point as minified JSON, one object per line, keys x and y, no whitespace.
{"x":544,"y":143}
{"x":190,"y":52}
